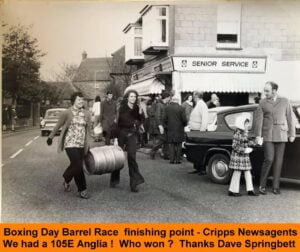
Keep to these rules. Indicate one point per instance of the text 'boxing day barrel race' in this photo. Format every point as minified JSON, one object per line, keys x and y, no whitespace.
{"x":104,"y":159}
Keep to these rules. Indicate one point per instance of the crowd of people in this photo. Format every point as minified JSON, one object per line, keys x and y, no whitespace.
{"x":134,"y":120}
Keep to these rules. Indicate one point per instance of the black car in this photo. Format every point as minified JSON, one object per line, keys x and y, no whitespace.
{"x":211,"y":149}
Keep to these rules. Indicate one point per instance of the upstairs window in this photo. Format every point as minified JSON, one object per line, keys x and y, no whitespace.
{"x":155,"y":27}
{"x":138,"y":38}
{"x":229,"y":25}
{"x":134,"y":40}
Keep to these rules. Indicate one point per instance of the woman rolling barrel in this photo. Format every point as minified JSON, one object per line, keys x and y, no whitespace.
{"x":129,"y":119}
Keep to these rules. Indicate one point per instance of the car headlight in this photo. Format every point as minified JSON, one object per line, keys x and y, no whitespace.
{"x":43,"y":123}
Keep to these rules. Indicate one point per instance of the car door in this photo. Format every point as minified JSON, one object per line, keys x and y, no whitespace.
{"x":291,"y":161}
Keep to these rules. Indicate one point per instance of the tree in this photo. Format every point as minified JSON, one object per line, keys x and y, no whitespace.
{"x":67,"y":72}
{"x":21,"y":64}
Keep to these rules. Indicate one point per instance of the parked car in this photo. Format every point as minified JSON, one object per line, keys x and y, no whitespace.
{"x":211,"y":149}
{"x":48,"y":123}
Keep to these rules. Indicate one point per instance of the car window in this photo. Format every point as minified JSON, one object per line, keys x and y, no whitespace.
{"x":231,"y":118}
{"x":53,"y":113}
{"x":212,"y":121}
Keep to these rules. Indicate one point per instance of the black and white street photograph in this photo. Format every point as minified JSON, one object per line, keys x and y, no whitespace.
{"x":150,"y":112}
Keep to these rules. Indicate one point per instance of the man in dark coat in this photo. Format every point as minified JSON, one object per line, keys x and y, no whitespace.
{"x":108,"y":117}
{"x":175,"y":120}
{"x":159,"y":117}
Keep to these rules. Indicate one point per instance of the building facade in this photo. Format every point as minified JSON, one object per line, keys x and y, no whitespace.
{"x":92,"y":76}
{"x":230,"y":48}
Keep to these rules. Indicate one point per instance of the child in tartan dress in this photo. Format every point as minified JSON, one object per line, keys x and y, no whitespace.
{"x":239,"y":159}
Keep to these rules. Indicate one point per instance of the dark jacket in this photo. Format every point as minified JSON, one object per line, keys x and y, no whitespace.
{"x":129,"y":118}
{"x":188,"y":109}
{"x":152,"y":123}
{"x":175,"y":119}
{"x":108,"y":114}
{"x":160,"y":113}
{"x":64,"y":122}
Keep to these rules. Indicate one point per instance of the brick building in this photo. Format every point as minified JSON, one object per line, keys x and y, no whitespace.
{"x":227,"y":47}
{"x":92,"y":76}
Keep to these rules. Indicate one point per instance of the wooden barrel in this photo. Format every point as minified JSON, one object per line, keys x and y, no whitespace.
{"x":104,"y":159}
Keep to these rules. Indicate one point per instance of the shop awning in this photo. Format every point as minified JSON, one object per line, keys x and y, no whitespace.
{"x":149,"y":86}
{"x":222,"y":82}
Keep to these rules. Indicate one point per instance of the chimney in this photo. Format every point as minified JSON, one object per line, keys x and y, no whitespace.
{"x":84,"y":55}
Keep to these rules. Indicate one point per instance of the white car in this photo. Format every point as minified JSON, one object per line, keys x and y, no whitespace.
{"x":49,"y":121}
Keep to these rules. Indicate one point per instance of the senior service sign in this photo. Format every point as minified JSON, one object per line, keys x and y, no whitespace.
{"x":220,"y":64}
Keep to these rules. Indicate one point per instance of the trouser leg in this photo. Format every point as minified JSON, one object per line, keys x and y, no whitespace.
{"x":107,"y":137}
{"x":178,"y":151}
{"x":134,"y":173}
{"x":235,"y":182}
{"x":157,"y":145}
{"x":172,"y":152}
{"x":267,"y":164}
{"x":248,"y":179}
{"x":75,"y":170}
{"x":115,"y":176}
{"x":277,"y":165}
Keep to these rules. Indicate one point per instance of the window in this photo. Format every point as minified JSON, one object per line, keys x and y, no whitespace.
{"x":212,"y":121}
{"x":138,"y":46}
{"x":231,"y":118}
{"x":155,"y":27}
{"x":229,"y":25}
{"x":134,"y":40}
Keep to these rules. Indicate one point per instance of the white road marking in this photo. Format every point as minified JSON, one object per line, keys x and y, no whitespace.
{"x":16,"y":154}
{"x":36,"y":137}
{"x":28,"y":143}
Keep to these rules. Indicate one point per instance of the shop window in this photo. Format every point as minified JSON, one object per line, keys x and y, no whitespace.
{"x":229,"y":25}
{"x":155,"y":27}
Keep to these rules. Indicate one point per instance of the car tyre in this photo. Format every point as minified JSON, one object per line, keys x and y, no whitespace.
{"x":218,"y":169}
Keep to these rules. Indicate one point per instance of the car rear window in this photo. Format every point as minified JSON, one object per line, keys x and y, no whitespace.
{"x":53,"y":113}
{"x":231,"y":118}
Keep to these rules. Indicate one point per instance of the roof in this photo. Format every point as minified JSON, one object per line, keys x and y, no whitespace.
{"x":238,"y":108}
{"x":67,"y":90}
{"x":93,"y":69}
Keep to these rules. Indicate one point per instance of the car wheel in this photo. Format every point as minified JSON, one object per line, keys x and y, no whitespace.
{"x":218,"y":169}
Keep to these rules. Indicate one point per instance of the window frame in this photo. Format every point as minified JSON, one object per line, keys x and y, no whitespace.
{"x":240,"y":112}
{"x":229,"y":23}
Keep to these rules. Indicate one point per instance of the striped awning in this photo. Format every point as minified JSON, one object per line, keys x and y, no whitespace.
{"x":146,"y":87}
{"x":222,"y":82}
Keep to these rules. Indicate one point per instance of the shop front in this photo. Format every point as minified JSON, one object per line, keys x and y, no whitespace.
{"x":236,"y":80}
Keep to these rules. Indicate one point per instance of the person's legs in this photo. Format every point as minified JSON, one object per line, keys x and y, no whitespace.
{"x":267,"y":164}
{"x":115,"y":176}
{"x":157,"y":145}
{"x":134,"y":173}
{"x":248,"y":179}
{"x":277,"y":165}
{"x":172,"y":152}
{"x":107,"y":137}
{"x":75,"y":169}
{"x":235,"y":182}
{"x":178,"y":152}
